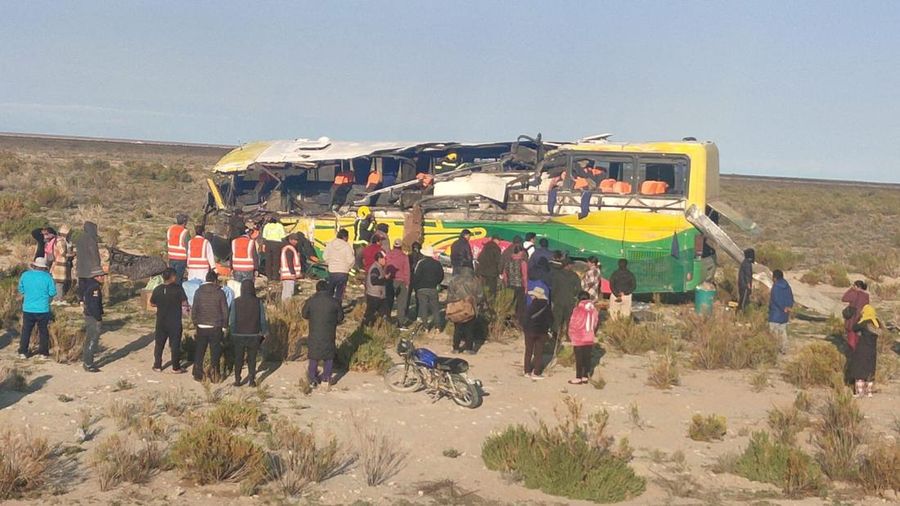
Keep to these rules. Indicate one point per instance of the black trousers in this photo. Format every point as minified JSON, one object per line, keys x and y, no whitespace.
{"x":213,"y":339}
{"x":743,"y":298}
{"x":534,"y":352}
{"x":490,"y":286}
{"x":171,"y":333}
{"x":464,"y":332}
{"x":273,"y":259}
{"x":245,"y":346}
{"x":519,"y":301}
{"x":583,"y":361}
{"x":375,"y":306}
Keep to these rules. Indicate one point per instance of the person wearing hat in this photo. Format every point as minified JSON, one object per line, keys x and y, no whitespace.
{"x":461,"y":252}
{"x":90,"y":293}
{"x":37,"y":288}
{"x":427,"y":276}
{"x":177,"y":245}
{"x":538,"y":320}
{"x":398,"y":290}
{"x":363,"y":227}
{"x":63,"y":255}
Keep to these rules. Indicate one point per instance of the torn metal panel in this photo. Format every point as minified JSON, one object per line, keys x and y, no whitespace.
{"x":491,"y":186}
{"x":733,"y":215}
{"x":715,"y":234}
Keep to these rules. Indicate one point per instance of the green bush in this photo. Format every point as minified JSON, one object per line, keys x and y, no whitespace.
{"x":839,"y":435}
{"x":718,"y":341}
{"x":782,"y":465}
{"x":707,"y":428}
{"x":236,"y":414}
{"x":775,"y":257}
{"x":364,"y":349}
{"x":575,"y":459}
{"x":816,"y":364}
{"x":876,"y":266}
{"x":879,"y":469}
{"x":287,"y":328}
{"x":786,"y":423}
{"x":207,"y":454}
{"x":632,"y":338}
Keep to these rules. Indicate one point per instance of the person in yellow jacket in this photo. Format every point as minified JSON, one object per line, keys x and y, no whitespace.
{"x":273,"y":234}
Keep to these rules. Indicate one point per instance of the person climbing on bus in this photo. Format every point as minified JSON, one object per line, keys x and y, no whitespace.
{"x":363,"y":227}
{"x":447,"y":163}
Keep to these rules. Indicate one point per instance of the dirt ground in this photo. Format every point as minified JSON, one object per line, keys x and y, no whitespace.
{"x":425,"y":428}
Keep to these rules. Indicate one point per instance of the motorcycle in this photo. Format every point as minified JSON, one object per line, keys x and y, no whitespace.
{"x":440,"y":376}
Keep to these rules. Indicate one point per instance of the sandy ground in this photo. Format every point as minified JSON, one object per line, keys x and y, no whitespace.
{"x":426,"y":428}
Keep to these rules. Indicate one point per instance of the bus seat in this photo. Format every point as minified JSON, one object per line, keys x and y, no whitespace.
{"x":660,"y":187}
{"x":621,"y":187}
{"x":648,"y":187}
{"x":606,"y":186}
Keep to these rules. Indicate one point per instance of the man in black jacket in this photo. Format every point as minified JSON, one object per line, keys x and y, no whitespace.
{"x":168,"y":299}
{"x":622,"y":284}
{"x":324,"y":314}
{"x":91,"y":296}
{"x":427,"y":276}
{"x":564,"y":288}
{"x":210,"y":314}
{"x":461,"y":252}
{"x":745,"y":278}
{"x":488,"y":268}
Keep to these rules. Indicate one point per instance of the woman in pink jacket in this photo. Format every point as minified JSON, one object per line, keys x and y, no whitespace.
{"x":582,"y":326}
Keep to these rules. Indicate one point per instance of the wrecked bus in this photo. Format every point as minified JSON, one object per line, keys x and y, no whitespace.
{"x":647,"y":202}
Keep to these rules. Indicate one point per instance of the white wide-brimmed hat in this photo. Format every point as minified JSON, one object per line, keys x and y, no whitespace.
{"x":40,"y":263}
{"x":538,"y":293}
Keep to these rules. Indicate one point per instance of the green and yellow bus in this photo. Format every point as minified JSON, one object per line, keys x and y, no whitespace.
{"x":635,"y":208}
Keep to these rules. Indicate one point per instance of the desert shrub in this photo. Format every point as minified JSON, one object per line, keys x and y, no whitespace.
{"x":664,"y":372}
{"x":9,"y":300}
{"x":707,"y":428}
{"x":21,"y":227}
{"x":775,"y":257}
{"x":816,"y":364}
{"x":364,"y":349}
{"x":839,"y":434}
{"x":786,"y":423}
{"x":51,"y":196}
{"x":887,"y":291}
{"x":717,"y":341}
{"x":298,"y":461}
{"x":782,"y":465}
{"x":380,"y":454}
{"x":632,"y":338}
{"x":759,"y":381}
{"x":158,"y":172}
{"x":118,"y":459}
{"x":879,"y":469}
{"x":24,"y":463}
{"x":574,"y":459}
{"x":803,"y":402}
{"x":207,"y":453}
{"x":67,"y":337}
{"x":834,"y":326}
{"x":13,"y":378}
{"x":837,"y":275}
{"x":286,"y":329}
{"x":177,"y":402}
{"x":12,"y":207}
{"x":812,"y":277}
{"x":875,"y":266}
{"x":500,"y":314}
{"x":235,"y":414}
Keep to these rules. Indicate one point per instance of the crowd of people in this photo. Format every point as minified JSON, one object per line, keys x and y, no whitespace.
{"x":550,"y":299}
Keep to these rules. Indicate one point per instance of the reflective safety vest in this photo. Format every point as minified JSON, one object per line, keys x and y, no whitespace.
{"x":285,"y":268}
{"x":242,"y":253}
{"x":175,"y":240}
{"x":196,"y":258}
{"x":343,"y":178}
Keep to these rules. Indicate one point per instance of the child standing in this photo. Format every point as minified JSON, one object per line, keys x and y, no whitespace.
{"x":582,"y":326}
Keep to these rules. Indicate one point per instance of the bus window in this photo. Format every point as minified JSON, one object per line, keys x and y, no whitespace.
{"x":604,"y":173}
{"x":669,"y":177}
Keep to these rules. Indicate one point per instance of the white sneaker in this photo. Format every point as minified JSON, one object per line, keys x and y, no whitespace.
{"x":537,"y":377}
{"x":527,"y":375}
{"x":23,"y":356}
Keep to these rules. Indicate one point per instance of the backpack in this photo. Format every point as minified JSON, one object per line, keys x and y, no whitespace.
{"x":461,"y":311}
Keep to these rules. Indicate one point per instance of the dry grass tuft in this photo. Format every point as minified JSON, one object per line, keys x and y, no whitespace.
{"x":879,"y":470}
{"x":664,"y":372}
{"x":118,"y":459}
{"x":759,"y":380}
{"x":380,"y":454}
{"x":786,"y":423}
{"x":287,"y":328}
{"x":719,"y":341}
{"x":66,"y":338}
{"x":13,"y":378}
{"x":709,"y":428}
{"x":772,"y":462}
{"x":297,"y":461}
{"x":24,"y":463}
{"x":236,"y":414}
{"x":839,"y":434}
{"x":632,"y":338}
{"x":500,"y":314}
{"x":207,"y":454}
{"x":816,"y":364}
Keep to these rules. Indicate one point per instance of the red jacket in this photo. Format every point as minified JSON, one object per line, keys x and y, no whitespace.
{"x":368,"y":255}
{"x":398,"y":264}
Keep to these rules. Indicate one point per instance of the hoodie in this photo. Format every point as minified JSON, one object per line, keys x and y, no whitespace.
{"x":583,"y":323}
{"x":780,"y":299}
{"x":88,"y":252}
{"x":247,"y":317}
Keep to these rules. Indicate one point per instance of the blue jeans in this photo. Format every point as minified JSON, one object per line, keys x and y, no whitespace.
{"x":180,"y":266}
{"x":337,"y":283}
{"x":29,"y":320}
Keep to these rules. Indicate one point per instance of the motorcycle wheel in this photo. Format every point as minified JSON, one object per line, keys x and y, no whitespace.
{"x":464,"y":393}
{"x":401,"y":378}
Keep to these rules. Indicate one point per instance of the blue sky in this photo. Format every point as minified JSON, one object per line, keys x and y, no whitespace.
{"x":802,"y":88}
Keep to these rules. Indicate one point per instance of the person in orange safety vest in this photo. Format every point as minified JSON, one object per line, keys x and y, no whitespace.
{"x":291,"y":268}
{"x":176,"y":246}
{"x":200,"y":257}
{"x":244,"y":259}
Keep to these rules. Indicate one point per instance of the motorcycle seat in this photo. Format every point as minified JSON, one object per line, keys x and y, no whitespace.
{"x":451,"y":364}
